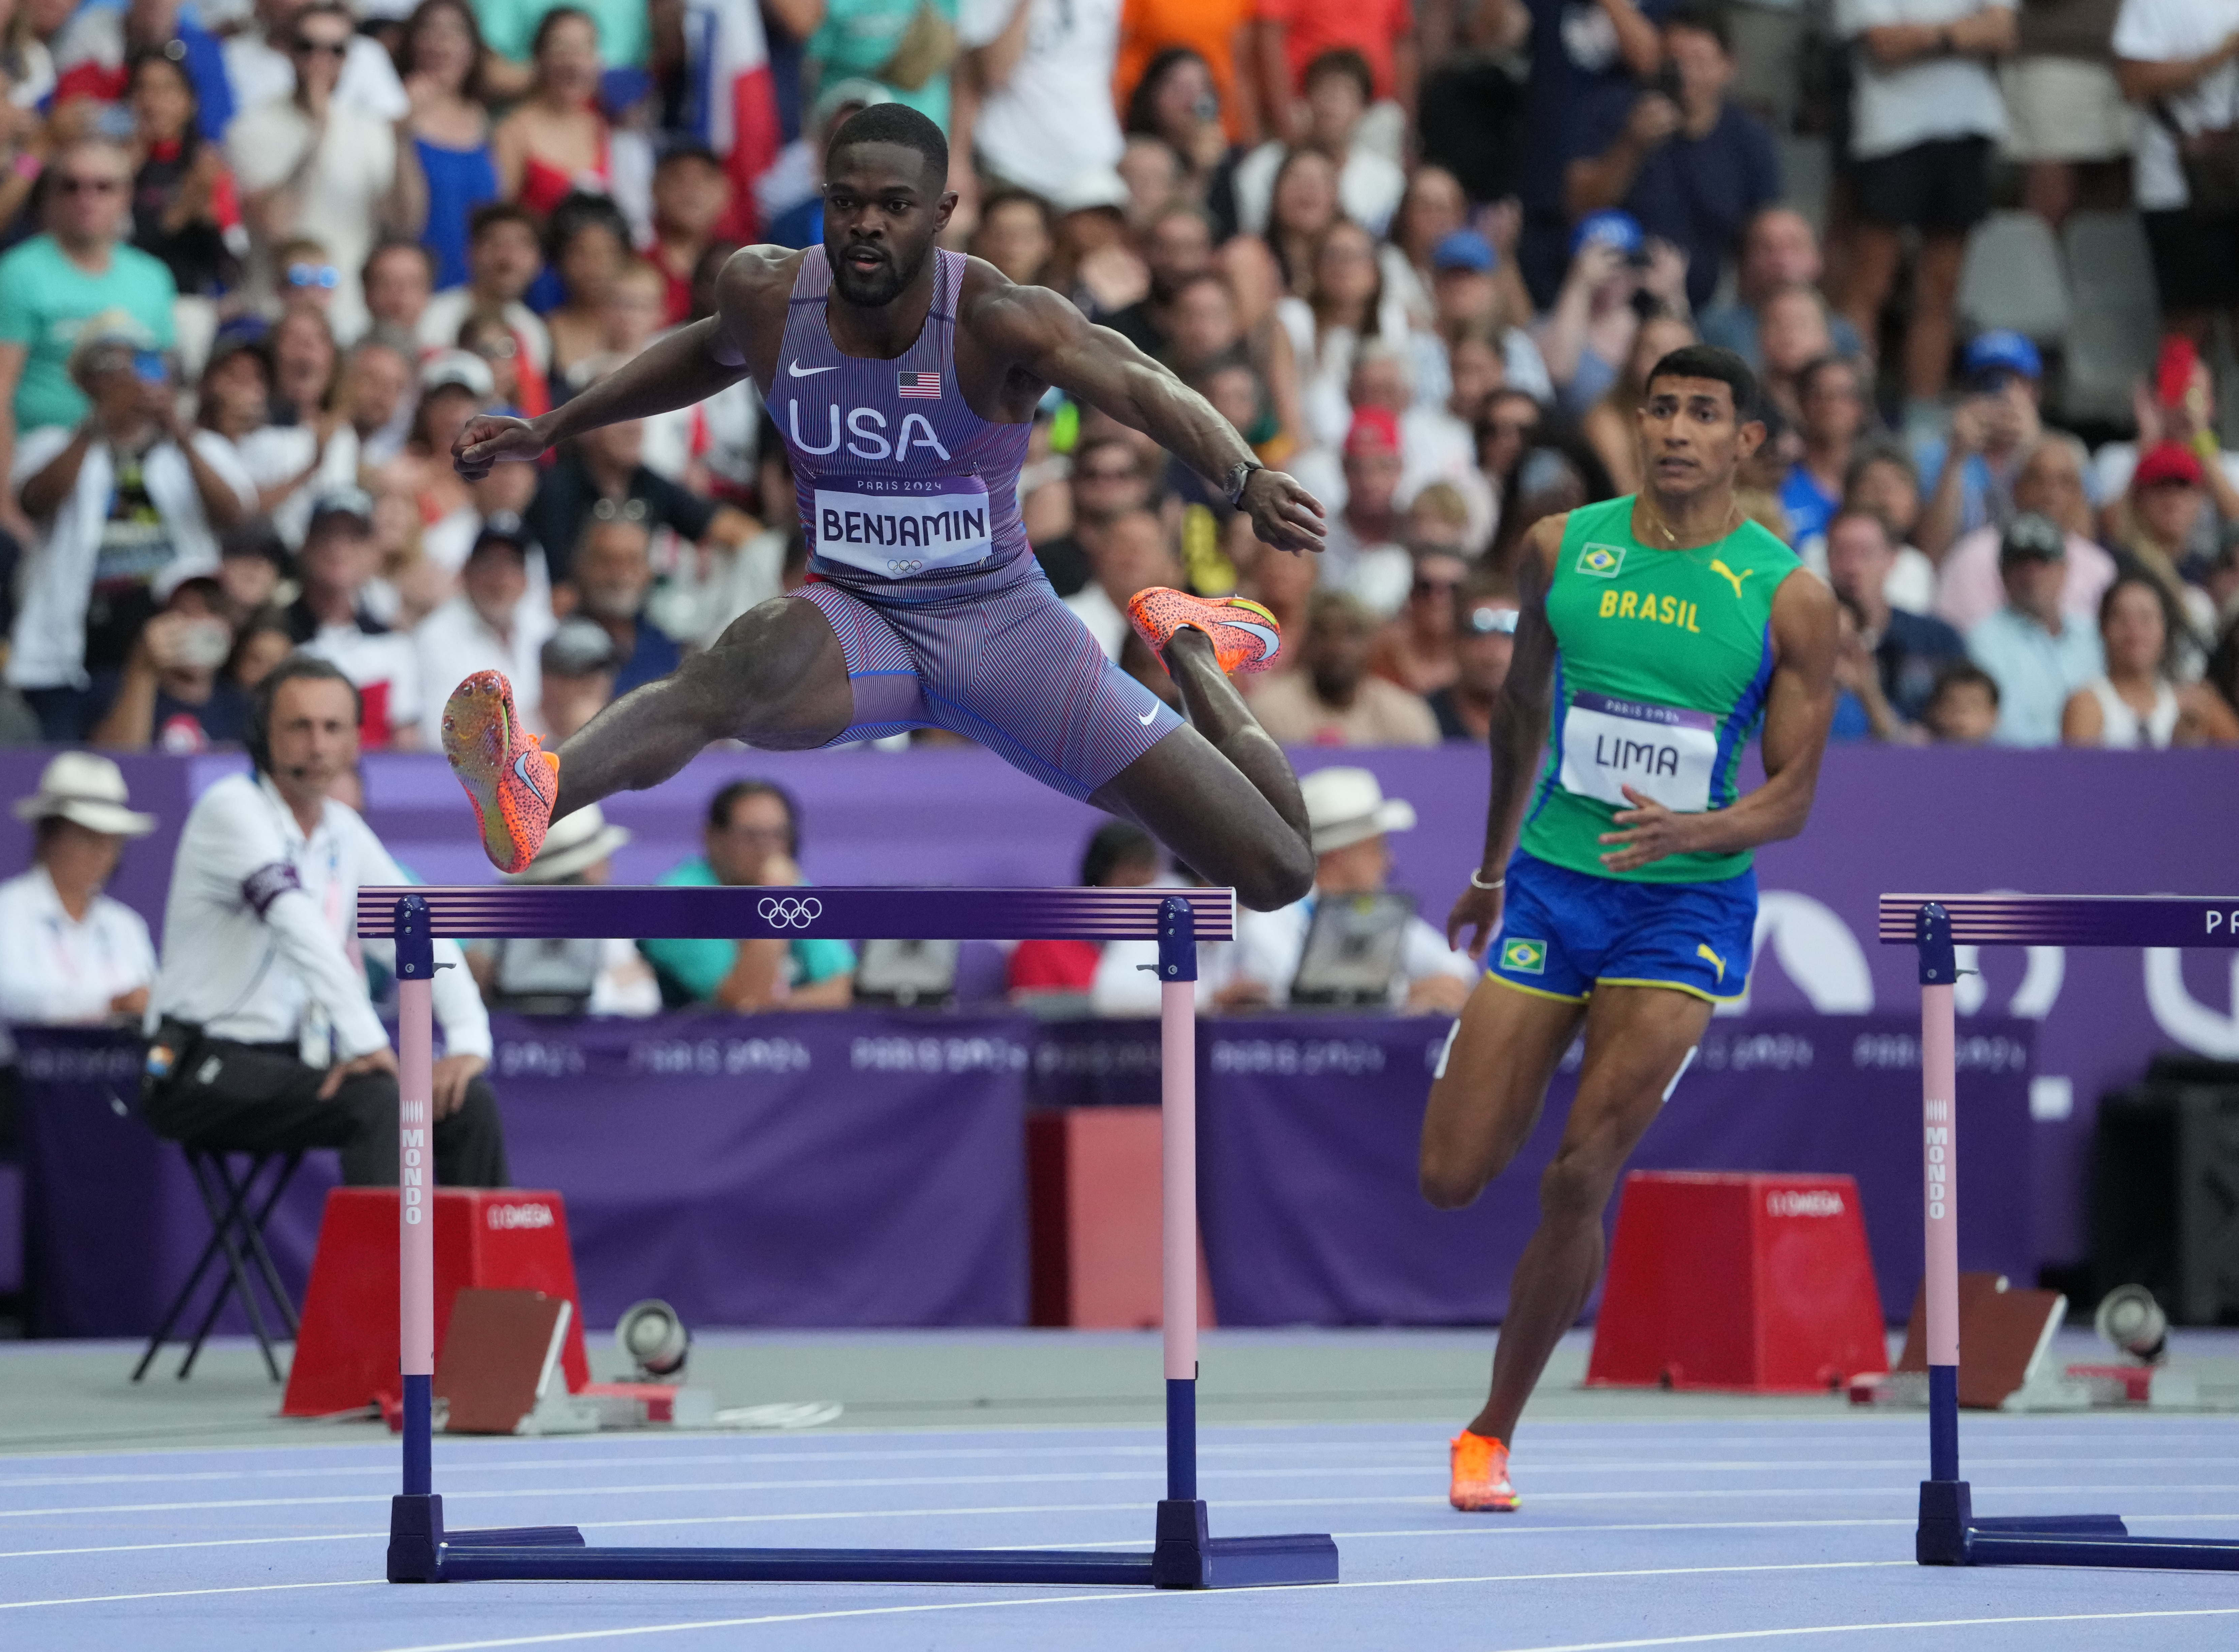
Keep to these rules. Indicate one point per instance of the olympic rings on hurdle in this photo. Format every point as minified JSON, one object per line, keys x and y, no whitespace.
{"x":786,"y":912}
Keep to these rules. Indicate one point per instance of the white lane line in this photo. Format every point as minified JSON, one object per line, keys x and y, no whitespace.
{"x":182,"y":1594}
{"x":671,"y":1490}
{"x":1113,"y":1596}
{"x":1871,"y":1628}
{"x":1151,"y":1455}
{"x":1487,"y":1528}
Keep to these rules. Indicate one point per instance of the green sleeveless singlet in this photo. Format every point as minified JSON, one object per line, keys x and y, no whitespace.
{"x":1663,"y":658}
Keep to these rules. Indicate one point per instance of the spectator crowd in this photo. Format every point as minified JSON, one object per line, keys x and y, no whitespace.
{"x":260,"y":261}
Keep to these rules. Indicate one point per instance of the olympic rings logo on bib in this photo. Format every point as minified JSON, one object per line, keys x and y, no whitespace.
{"x":900,"y":568}
{"x":783,"y":912}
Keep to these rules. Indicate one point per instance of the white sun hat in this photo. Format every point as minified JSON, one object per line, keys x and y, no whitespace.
{"x":88,"y":791}
{"x":1347,"y":806}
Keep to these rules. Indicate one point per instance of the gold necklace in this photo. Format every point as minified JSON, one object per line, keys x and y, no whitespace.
{"x":1670,"y":538}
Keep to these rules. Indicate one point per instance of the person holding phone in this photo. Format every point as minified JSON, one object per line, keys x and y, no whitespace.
{"x":126,"y":506}
{"x":1688,"y":164}
{"x":171,"y":696}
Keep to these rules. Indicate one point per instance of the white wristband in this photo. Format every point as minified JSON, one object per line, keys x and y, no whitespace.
{"x":1498,"y":883}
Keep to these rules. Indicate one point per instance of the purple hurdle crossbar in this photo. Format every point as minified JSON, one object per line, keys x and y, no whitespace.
{"x":1183,"y":1554}
{"x":1950,"y":1533}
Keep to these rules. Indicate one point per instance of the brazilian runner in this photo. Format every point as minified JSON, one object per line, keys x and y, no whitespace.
{"x":1659,"y":633}
{"x":904,"y":380}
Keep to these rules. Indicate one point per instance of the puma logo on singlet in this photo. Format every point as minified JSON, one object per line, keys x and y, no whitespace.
{"x":1728,"y":575}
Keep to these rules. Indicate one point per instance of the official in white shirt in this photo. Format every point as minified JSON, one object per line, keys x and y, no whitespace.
{"x":263,"y":1036}
{"x":68,"y":952}
{"x":1347,"y":816}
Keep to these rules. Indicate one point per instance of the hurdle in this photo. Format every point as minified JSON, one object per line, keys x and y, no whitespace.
{"x":1950,"y":1532}
{"x":1184,"y":1554}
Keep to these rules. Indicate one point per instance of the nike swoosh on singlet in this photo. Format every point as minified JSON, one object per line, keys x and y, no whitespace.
{"x":1146,"y":717}
{"x":800,"y":372}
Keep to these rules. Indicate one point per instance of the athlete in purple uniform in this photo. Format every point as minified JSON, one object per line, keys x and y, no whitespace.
{"x":904,"y":380}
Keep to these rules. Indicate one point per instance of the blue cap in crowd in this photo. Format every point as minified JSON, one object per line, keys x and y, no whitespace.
{"x":1612,"y":227}
{"x":1465,"y":249}
{"x":2002,"y":350}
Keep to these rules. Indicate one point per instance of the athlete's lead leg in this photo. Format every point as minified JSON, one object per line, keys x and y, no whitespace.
{"x":777,"y":678}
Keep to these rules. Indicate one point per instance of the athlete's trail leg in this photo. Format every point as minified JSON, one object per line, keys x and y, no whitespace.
{"x":1218,"y":792}
{"x":1636,"y":1038}
{"x":776,"y":678}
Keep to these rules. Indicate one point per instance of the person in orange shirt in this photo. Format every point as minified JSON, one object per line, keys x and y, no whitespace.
{"x":1292,"y":33}
{"x":1220,"y":32}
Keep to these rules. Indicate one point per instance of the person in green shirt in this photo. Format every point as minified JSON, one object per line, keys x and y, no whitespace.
{"x":753,"y":837}
{"x":907,"y":46}
{"x":1658,"y":635}
{"x":51,"y":285}
{"x":508,"y":26}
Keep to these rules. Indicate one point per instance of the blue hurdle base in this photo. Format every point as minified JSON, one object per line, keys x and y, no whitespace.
{"x":1183,"y":1557}
{"x":1951,"y":1534}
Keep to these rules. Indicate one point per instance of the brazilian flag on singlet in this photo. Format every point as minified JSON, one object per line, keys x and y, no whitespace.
{"x":1663,"y":657}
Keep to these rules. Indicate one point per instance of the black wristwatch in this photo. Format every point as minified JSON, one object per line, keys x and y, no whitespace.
{"x":1238,"y":473}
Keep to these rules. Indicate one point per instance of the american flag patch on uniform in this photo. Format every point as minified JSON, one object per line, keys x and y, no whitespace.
{"x":924,"y":387}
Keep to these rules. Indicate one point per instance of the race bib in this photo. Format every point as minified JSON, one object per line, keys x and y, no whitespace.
{"x":1659,"y":750}
{"x":900,"y":529}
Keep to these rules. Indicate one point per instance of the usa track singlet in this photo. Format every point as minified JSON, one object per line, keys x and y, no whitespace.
{"x":1663,"y":658}
{"x":903,"y":489}
{"x":910,"y":502}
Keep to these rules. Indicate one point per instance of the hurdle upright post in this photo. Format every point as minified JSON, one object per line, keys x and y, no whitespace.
{"x":1178,"y":1557}
{"x":1944,"y":1500}
{"x":416,"y":1517}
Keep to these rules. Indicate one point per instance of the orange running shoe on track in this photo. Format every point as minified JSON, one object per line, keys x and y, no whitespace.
{"x":1245,"y":636}
{"x":1481,"y":1476}
{"x":511,"y":779}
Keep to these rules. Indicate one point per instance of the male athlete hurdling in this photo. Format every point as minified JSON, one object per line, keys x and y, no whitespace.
{"x":1657,"y":633}
{"x":904,"y":380}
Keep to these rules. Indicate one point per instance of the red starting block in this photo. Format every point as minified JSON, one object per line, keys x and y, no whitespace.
{"x":506,"y":1239}
{"x":1756,"y":1282}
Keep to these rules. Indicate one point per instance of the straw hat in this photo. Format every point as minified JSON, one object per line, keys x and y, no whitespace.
{"x":88,"y":791}
{"x":1347,"y":806}
{"x":574,"y":843}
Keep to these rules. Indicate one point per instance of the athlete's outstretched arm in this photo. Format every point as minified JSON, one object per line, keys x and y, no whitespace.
{"x":1799,"y":703}
{"x":691,"y":364}
{"x":1038,"y":331}
{"x":1519,"y":726}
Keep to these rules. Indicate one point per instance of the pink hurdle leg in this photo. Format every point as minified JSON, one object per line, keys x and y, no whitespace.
{"x":1178,"y":1135}
{"x":415,"y":1225}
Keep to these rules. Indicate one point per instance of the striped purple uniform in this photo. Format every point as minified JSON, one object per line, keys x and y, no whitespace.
{"x":910,"y":503}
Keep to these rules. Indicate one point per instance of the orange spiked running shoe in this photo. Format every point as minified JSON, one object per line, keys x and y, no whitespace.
{"x":1245,"y":636}
{"x":511,"y":779}
{"x":1480,"y":1475}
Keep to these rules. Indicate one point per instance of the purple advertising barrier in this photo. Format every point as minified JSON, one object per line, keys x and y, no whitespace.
{"x":867,"y":1169}
{"x":1886,"y":819}
{"x":1311,"y":1131}
{"x":794,"y":1170}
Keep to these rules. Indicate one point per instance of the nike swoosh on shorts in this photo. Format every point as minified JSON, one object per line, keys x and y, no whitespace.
{"x":1146,"y":717}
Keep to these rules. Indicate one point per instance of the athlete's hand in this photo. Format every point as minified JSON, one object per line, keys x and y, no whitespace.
{"x":490,"y":437}
{"x":1283,"y":513}
{"x":1651,"y":832}
{"x":1478,"y":910}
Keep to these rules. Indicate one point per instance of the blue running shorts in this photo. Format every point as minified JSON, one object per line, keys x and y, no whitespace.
{"x":1013,"y":669}
{"x":1563,"y":933}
